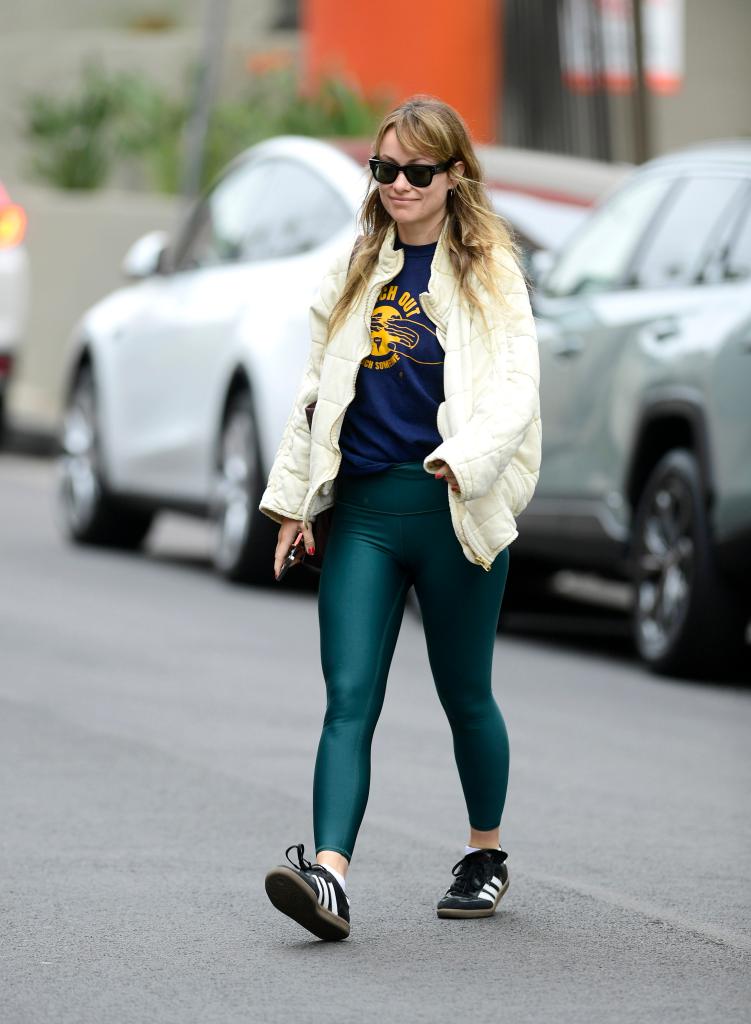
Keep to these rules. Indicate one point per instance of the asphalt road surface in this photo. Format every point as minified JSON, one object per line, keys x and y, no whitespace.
{"x":157,"y":736}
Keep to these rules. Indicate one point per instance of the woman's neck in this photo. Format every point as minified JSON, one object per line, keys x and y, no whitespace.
{"x":419,"y":234}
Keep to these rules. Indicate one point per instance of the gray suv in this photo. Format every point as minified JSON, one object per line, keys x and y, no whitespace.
{"x":644,"y":322}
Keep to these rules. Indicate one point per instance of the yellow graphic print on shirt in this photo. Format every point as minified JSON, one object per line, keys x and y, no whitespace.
{"x":394,"y":333}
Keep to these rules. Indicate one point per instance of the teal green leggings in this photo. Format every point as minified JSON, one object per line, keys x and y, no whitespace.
{"x":389,"y":531}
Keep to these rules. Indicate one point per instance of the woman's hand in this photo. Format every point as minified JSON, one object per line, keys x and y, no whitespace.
{"x":444,"y":473}
{"x":287,"y":533}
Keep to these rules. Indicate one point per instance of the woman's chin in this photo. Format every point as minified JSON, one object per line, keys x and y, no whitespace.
{"x":407,"y":218}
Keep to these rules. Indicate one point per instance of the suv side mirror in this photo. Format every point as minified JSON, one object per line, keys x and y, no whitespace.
{"x":146,"y":256}
{"x":540,"y":264}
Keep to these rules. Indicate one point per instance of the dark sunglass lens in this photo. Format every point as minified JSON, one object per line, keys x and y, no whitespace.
{"x":383,"y":172}
{"x":419,"y":176}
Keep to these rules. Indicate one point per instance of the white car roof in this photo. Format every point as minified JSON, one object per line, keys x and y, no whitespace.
{"x":340,"y":170}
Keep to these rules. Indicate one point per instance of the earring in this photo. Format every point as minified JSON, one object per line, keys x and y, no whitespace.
{"x":451,"y":193}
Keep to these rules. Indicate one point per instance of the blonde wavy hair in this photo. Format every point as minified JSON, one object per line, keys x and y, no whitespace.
{"x":432,"y":128}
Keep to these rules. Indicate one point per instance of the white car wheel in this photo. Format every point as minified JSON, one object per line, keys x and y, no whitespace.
{"x":86,"y":512}
{"x":244,"y":542}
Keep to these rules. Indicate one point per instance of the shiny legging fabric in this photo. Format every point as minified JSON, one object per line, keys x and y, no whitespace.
{"x":391,"y":530}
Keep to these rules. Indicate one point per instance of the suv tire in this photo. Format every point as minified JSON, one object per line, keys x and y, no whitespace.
{"x":686,"y":620}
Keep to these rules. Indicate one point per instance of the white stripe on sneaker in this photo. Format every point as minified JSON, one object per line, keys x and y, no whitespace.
{"x":319,"y":887}
{"x":486,"y":896}
{"x":334,"y":907}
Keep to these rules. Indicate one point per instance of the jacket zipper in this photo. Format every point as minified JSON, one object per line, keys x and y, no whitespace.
{"x":370,"y":306}
{"x":427,"y":305}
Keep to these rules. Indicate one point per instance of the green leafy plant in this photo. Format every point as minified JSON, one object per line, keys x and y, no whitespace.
{"x":76,"y":140}
{"x":72,"y":137}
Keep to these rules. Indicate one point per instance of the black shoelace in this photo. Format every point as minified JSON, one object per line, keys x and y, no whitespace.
{"x":302,"y":862}
{"x":470,"y":874}
{"x":305,"y":865}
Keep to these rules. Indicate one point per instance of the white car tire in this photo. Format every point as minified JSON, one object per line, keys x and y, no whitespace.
{"x":87,"y":512}
{"x":244,"y":537}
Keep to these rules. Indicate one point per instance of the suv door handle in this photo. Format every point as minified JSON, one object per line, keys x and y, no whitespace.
{"x":661,"y":330}
{"x":566,"y":345}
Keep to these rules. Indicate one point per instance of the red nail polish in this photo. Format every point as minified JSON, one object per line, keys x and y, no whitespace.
{"x":311,"y":551}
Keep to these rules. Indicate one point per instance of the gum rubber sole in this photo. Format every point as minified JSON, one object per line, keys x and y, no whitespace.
{"x":294,"y":897}
{"x":456,"y":912}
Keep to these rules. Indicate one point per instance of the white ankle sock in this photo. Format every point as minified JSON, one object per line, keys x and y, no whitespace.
{"x":340,"y":878}
{"x":474,"y":849}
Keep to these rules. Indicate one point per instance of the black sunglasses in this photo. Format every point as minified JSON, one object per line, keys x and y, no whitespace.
{"x":418,"y":175}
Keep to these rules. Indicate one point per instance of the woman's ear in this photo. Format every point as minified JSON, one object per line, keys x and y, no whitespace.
{"x":456,"y":169}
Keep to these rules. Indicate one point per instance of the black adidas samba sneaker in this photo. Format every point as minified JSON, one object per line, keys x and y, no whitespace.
{"x":310,"y":895}
{"x":481,"y":878}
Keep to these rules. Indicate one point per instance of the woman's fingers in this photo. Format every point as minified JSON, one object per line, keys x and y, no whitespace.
{"x":444,"y":473}
{"x":310,"y":544}
{"x":288,"y":531}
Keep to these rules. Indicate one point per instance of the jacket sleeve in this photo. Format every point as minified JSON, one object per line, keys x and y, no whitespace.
{"x":507,"y":394}
{"x":289,"y":477}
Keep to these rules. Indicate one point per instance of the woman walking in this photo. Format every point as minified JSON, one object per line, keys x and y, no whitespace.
{"x":426,"y":440}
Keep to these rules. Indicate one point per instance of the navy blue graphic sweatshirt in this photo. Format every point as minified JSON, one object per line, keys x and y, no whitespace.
{"x":399,"y":386}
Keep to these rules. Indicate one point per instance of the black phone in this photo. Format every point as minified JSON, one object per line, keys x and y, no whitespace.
{"x":294,"y":556}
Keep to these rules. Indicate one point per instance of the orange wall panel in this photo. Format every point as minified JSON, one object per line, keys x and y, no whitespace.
{"x":441,"y":47}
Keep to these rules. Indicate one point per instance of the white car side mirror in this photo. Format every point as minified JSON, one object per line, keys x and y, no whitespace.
{"x":144,"y":257}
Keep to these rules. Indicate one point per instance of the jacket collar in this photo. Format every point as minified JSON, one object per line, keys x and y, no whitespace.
{"x":442,"y":285}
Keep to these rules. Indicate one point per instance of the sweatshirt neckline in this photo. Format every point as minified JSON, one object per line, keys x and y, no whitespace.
{"x":416,"y":251}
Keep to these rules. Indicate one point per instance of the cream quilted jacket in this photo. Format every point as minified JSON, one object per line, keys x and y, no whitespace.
{"x":489,"y":421}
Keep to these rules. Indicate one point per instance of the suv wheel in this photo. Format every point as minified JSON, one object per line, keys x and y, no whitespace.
{"x":245,"y":538}
{"x":87,"y":513}
{"x":686,"y":620}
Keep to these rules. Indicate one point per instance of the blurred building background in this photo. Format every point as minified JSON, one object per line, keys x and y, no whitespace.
{"x":562,"y":76}
{"x":575,"y":80}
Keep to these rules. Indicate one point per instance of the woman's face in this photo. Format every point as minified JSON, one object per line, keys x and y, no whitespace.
{"x":418,"y":212}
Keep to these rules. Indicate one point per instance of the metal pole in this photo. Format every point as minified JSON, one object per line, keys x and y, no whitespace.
{"x":642,"y":144}
{"x":209,"y":68}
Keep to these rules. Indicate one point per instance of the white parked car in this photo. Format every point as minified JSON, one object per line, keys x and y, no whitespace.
{"x":14,"y":287}
{"x":179,"y":384}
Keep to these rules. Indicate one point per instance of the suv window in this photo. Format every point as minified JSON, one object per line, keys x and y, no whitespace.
{"x":738,"y":260}
{"x":597,"y":258}
{"x":262,"y":210}
{"x":675,"y":254}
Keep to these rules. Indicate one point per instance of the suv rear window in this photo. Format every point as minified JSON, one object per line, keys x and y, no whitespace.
{"x":675,"y":253}
{"x":597,"y":257}
{"x":738,"y":260}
